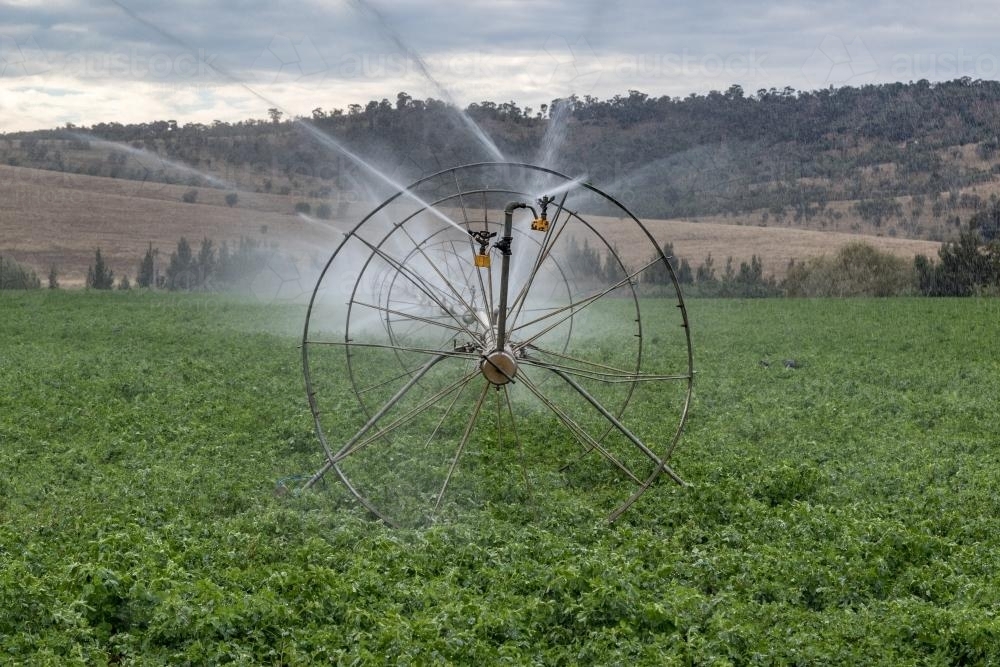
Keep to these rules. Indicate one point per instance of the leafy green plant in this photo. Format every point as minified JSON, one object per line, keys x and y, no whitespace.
{"x":842,"y":512}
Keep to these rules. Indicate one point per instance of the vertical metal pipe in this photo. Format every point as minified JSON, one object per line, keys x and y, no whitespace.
{"x":504,"y":246}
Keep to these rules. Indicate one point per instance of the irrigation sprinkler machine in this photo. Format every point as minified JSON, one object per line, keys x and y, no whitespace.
{"x":498,"y":328}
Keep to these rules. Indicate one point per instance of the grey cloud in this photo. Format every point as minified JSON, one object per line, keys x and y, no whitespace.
{"x":526,"y":51}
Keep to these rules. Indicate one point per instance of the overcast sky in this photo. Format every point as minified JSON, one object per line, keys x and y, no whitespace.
{"x":87,"y":61}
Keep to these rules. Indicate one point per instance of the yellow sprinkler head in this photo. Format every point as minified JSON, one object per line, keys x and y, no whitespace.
{"x":482,"y":261}
{"x":540,"y":225}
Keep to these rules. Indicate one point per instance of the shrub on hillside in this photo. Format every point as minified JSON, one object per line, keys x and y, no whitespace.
{"x":15,"y":276}
{"x":857,"y":269}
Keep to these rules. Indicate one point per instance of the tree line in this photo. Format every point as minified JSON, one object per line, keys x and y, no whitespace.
{"x":212,"y":268}
{"x":968,"y":265}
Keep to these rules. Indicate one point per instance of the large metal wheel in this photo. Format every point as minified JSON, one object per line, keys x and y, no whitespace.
{"x":477,"y":336}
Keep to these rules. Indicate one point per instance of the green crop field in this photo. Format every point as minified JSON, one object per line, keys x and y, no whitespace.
{"x":842,"y":512}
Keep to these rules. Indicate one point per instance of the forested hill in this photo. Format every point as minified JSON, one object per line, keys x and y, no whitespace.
{"x":901,"y":159}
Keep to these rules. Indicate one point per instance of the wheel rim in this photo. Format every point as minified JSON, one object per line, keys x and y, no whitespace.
{"x":410,"y":335}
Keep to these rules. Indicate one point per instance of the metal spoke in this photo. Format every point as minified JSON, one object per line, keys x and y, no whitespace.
{"x":587,"y":300}
{"x":462,"y":261}
{"x":461,"y":198}
{"x":447,"y":412}
{"x":390,"y":380}
{"x":434,"y":266}
{"x":458,"y":353}
{"x":517,"y":440}
{"x":489,"y":270}
{"x":356,"y":445}
{"x":445,"y":300}
{"x":472,"y":245}
{"x":417,"y":282}
{"x":608,"y":378}
{"x":585,"y":362}
{"x":461,"y":445}
{"x":407,"y":316}
{"x":661,"y":464}
{"x":417,"y":304}
{"x":579,"y":305}
{"x":330,"y":457}
{"x":586,"y":440}
{"x":499,"y":425}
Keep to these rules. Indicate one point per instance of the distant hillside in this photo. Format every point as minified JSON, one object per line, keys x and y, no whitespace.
{"x":56,"y":219}
{"x":892,"y":159}
{"x":52,"y":219}
{"x":896,"y":161}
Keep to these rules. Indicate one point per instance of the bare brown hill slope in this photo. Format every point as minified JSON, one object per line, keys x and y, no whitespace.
{"x":56,"y":219}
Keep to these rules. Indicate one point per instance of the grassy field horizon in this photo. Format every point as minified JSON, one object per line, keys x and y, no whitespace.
{"x":841,"y":512}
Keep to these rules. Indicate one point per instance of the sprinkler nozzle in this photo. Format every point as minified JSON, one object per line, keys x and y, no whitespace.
{"x":482,"y":237}
{"x":541,"y":222}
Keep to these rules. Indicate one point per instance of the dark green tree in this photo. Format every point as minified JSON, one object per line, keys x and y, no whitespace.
{"x":613,"y":271}
{"x":926,"y":278}
{"x":729,"y":274}
{"x":684,"y":274}
{"x":658,"y":273}
{"x":100,"y":275}
{"x":963,"y":266}
{"x":584,"y":261}
{"x":987,"y":222}
{"x":206,"y":262}
{"x":706,"y":272}
{"x":752,"y":273}
{"x":144,"y":277}
{"x":181,"y":272}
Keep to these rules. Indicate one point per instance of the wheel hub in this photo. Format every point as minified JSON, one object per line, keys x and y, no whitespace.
{"x":499,"y":366}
